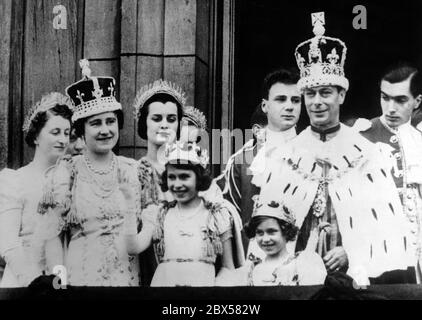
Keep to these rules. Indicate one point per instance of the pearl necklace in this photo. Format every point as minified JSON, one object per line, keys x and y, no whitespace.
{"x":105,"y":181}
{"x":100,"y":172}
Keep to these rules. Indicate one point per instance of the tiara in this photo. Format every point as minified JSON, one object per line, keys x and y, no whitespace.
{"x":272,"y":208}
{"x":186,"y":152}
{"x":46,"y":103}
{"x":195,"y":116}
{"x":159,"y":86}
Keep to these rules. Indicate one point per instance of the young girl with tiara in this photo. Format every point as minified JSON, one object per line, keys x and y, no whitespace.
{"x":188,"y":233}
{"x":273,"y":227}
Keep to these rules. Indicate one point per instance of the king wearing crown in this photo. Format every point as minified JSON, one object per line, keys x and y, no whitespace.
{"x":337,"y":182}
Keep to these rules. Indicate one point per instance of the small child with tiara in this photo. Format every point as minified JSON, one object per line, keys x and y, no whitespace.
{"x":273,"y":226}
{"x":189,"y":233}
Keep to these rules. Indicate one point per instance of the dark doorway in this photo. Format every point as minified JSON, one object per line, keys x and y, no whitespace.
{"x":268,"y":31}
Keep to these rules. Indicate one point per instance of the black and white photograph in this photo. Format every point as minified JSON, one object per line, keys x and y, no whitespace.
{"x":216,"y":154}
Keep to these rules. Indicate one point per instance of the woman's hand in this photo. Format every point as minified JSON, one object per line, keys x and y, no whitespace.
{"x":126,"y":188}
{"x":150,"y":215}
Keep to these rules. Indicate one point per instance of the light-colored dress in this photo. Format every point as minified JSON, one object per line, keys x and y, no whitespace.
{"x":20,"y":193}
{"x":303,"y":268}
{"x":92,"y":211}
{"x":187,"y":247}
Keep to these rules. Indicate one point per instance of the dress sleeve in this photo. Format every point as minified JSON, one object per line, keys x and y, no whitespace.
{"x":224,"y":223}
{"x":310,"y":269}
{"x":11,"y":248}
{"x":55,"y":205}
{"x":148,"y":184}
{"x":10,"y":211}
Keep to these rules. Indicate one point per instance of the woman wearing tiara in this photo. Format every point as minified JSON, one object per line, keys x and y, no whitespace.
{"x":193,"y":126}
{"x":47,"y":130}
{"x":83,"y":196}
{"x":159,"y":110}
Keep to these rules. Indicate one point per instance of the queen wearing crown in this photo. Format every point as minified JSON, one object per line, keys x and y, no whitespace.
{"x":47,"y":129}
{"x":83,"y":199}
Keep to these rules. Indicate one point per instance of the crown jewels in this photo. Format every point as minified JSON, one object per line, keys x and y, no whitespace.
{"x":186,"y":152}
{"x":321,"y":59}
{"x":195,"y":116}
{"x":92,"y":95}
{"x":159,"y":86}
{"x":47,"y":102}
{"x":273,"y":209}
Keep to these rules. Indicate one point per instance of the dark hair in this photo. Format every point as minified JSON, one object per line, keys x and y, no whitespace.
{"x":403,"y":71}
{"x":41,"y":118}
{"x":163,"y":98}
{"x":258,"y":117}
{"x":79,"y":124}
{"x":286,"y":76}
{"x":203,"y":179}
{"x":288,"y":230}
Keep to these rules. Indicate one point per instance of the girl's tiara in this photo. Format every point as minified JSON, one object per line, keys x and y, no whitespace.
{"x":186,"y":152}
{"x":273,"y":208}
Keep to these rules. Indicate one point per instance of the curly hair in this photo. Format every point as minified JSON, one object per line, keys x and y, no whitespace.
{"x":41,"y":118}
{"x":288,"y":230}
{"x":163,"y":98}
{"x":203,"y":179}
{"x":79,"y":124}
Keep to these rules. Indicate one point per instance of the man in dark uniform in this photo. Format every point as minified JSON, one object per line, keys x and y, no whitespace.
{"x":400,"y":95}
{"x":281,"y":105}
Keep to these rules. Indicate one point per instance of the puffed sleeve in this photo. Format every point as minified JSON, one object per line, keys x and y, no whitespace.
{"x":224,"y":223}
{"x":310,"y":269}
{"x":11,"y":249}
{"x":55,"y":205}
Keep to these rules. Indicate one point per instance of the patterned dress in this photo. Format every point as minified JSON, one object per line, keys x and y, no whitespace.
{"x":187,"y":247}
{"x":90,"y":208}
{"x":303,"y":268}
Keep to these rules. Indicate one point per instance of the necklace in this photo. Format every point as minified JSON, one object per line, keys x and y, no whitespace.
{"x":100,"y":172}
{"x":105,"y":181}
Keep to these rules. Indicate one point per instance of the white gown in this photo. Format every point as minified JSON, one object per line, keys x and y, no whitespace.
{"x":20,"y":193}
